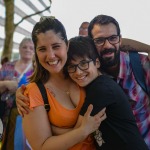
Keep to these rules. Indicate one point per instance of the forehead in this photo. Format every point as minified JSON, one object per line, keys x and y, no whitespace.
{"x":26,"y":42}
{"x":104,"y":30}
{"x":78,"y":59}
{"x":49,"y":37}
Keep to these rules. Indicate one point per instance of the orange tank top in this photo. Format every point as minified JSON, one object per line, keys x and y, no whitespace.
{"x":59,"y":115}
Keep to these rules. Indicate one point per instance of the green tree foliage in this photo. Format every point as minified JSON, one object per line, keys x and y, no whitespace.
{"x":10,"y":26}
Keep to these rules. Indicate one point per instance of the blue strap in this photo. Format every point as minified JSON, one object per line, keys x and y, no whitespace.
{"x":138,"y":70}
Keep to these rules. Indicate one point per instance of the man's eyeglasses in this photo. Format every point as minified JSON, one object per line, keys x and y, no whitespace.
{"x":83,"y":65}
{"x":114,"y":39}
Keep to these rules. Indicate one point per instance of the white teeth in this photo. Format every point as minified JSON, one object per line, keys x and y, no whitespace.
{"x":81,"y":78}
{"x":52,"y":62}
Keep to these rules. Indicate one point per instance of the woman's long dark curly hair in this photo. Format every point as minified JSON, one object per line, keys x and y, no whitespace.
{"x":45,"y":24}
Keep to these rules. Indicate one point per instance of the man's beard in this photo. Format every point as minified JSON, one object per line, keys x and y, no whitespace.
{"x":108,"y":62}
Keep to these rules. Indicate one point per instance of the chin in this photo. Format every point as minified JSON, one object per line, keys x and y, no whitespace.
{"x":81,"y":85}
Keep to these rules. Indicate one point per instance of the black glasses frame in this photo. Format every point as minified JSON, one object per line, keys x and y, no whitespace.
{"x":103,"y":40}
{"x":78,"y":65}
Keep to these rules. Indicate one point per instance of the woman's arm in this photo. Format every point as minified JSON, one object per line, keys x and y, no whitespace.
{"x":38,"y":130}
{"x":57,"y":131}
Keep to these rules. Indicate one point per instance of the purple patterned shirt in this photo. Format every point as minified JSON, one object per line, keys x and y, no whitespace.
{"x":8,"y":72}
{"x":140,"y":100}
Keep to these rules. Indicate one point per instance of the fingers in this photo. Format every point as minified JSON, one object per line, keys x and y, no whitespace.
{"x":102,"y":112}
{"x":89,"y":110}
{"x":22,"y":101}
{"x":20,"y":112}
{"x":100,"y":116}
{"x":21,"y":98}
{"x":103,"y":117}
{"x":23,"y":108}
{"x":23,"y":87}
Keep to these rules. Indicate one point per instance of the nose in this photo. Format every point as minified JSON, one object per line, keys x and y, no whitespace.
{"x":50,"y":53}
{"x":28,"y":49}
{"x":107,"y":45}
{"x":78,"y":70}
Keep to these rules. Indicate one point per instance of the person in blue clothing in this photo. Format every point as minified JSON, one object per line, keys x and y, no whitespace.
{"x":12,"y":75}
{"x":119,"y":131}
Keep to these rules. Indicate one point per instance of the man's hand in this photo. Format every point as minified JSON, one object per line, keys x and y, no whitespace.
{"x":22,"y":101}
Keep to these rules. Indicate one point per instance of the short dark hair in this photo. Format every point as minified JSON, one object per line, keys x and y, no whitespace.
{"x":103,"y":20}
{"x":81,"y":47}
{"x":85,"y":22}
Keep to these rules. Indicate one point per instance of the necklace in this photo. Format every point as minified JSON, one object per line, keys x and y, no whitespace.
{"x":67,"y":92}
{"x":53,"y":90}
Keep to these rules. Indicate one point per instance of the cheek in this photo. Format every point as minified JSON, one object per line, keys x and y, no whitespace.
{"x":40,"y":57}
{"x":71,"y":76}
{"x":31,"y":50}
{"x":64,"y":55}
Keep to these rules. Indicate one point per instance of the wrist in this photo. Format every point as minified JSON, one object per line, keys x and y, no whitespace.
{"x":83,"y":132}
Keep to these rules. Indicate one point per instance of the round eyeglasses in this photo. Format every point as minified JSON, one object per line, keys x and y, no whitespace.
{"x":83,"y":65}
{"x":114,"y":39}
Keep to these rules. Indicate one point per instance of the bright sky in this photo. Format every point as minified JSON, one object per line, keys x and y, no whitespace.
{"x":132,"y":15}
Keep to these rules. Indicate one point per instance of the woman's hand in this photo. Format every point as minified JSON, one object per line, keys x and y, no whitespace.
{"x":91,"y":123}
{"x":22,"y":101}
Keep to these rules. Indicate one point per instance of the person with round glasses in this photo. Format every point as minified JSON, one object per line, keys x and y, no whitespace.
{"x":119,"y":131}
{"x":106,"y":34}
{"x":113,"y":39}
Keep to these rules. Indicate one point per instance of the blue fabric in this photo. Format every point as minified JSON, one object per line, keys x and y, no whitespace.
{"x":23,"y":80}
{"x":20,"y":142}
{"x":18,"y":135}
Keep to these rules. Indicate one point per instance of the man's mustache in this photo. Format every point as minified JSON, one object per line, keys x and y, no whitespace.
{"x":105,"y":51}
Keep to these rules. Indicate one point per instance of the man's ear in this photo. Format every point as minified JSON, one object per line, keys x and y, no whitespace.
{"x":97,"y":63}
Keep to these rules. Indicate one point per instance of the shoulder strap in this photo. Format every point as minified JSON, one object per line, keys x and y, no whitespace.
{"x":138,"y":70}
{"x":44,"y":94}
{"x":21,"y":75}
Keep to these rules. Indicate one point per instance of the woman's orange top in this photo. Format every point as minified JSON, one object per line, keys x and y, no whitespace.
{"x":59,"y":115}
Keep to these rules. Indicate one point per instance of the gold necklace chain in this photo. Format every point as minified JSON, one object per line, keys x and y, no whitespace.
{"x":52,"y":89}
